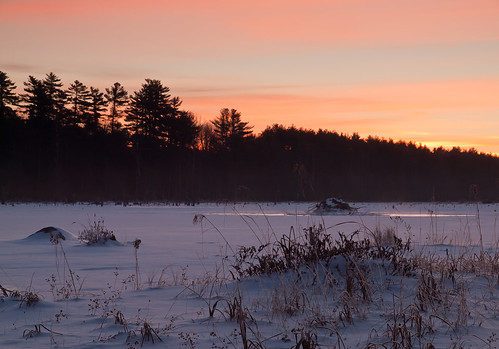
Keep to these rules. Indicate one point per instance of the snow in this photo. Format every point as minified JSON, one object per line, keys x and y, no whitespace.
{"x":184,"y":263}
{"x":48,"y":233}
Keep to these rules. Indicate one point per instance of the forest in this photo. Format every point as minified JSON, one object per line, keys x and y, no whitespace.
{"x":81,"y":144}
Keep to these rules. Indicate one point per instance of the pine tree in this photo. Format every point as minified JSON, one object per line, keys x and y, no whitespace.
{"x":79,"y":98}
{"x":151,"y":109}
{"x":7,"y":96}
{"x":221,"y":127}
{"x":183,"y":130}
{"x":97,"y":107}
{"x":56,"y":97}
{"x":116,"y":97}
{"x":36,"y":101}
{"x":229,"y":129}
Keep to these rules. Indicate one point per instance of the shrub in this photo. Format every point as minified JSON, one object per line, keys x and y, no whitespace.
{"x":291,"y":252}
{"x":96,"y":233}
{"x":25,"y":297}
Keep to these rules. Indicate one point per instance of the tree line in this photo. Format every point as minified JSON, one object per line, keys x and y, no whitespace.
{"x":82,"y":144}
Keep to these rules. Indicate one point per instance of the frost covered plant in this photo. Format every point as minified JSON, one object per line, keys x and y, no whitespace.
{"x":27,"y":297}
{"x":107,"y":302}
{"x":307,"y":339}
{"x":148,"y":333}
{"x":209,"y":292}
{"x":27,"y":333}
{"x":96,"y":233}
{"x":189,"y":339}
{"x":289,"y":299}
{"x":68,"y":288}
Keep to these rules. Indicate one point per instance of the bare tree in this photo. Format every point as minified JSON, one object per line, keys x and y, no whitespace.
{"x":206,"y":136}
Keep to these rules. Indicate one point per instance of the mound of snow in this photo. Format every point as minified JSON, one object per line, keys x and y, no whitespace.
{"x":48,"y":233}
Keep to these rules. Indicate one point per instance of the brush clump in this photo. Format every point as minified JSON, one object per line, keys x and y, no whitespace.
{"x":96,"y":233}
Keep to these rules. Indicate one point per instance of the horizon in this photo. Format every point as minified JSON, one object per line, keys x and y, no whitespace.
{"x":421,"y":72}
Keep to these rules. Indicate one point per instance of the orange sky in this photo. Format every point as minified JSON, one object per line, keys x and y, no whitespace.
{"x":424,"y":71}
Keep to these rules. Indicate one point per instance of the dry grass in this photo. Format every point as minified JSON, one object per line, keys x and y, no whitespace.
{"x":96,"y":233}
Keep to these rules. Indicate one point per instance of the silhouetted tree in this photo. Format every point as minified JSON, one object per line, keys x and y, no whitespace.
{"x":43,"y":159}
{"x":36,"y":101}
{"x":56,"y":109}
{"x":183,"y":130}
{"x":151,"y":110}
{"x":56,"y":97}
{"x":7,"y":96}
{"x":79,"y":98}
{"x":206,"y":136}
{"x":97,"y":106}
{"x":221,"y":127}
{"x":229,"y":129}
{"x":116,"y":97}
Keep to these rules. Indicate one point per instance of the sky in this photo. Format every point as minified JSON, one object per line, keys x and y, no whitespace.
{"x":425,"y":71}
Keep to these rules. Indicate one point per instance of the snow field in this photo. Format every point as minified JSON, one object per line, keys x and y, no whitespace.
{"x":185,"y":294}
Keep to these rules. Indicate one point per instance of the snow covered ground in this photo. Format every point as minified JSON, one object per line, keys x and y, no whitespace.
{"x":161,"y":294}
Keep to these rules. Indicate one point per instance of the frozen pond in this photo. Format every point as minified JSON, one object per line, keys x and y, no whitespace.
{"x":171,"y":239}
{"x":181,"y":244}
{"x":425,"y":223}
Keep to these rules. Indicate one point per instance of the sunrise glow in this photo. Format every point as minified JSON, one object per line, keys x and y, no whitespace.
{"x":421,"y":71}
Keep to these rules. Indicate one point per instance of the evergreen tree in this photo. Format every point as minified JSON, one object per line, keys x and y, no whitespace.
{"x":36,"y":100}
{"x":7,"y":96}
{"x":56,"y":97}
{"x":221,"y":127}
{"x":79,"y":97}
{"x":151,"y":110}
{"x":183,"y":130}
{"x":97,"y":107}
{"x":116,"y":97}
{"x":229,"y":129}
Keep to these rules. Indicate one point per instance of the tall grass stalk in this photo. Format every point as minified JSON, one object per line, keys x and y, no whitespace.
{"x":136,"y":245}
{"x":199,"y":218}
{"x":479,"y":225}
{"x":55,"y":239}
